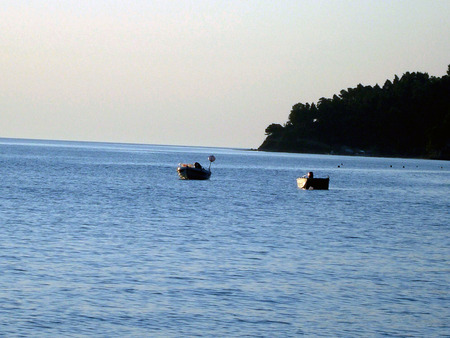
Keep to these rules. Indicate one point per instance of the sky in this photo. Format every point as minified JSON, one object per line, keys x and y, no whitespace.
{"x":199,"y":73}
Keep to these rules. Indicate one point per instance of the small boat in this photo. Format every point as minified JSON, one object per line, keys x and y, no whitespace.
{"x":308,"y":182}
{"x":195,"y":171}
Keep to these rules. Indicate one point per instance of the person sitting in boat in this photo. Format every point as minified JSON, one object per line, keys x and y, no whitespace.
{"x":309,"y":175}
{"x":197,"y":165}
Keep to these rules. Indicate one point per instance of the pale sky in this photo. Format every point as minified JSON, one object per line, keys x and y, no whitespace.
{"x":205,"y":72}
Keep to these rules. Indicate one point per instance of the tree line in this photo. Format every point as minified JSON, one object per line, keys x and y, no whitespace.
{"x":406,"y":117}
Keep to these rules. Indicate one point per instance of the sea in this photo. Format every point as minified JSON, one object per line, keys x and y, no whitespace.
{"x":105,"y":240}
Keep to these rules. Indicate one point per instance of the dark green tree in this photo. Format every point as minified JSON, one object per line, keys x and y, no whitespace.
{"x":408,"y":116}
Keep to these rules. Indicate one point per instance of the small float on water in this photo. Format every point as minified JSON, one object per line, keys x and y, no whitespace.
{"x":195,"y":171}
{"x":308,"y":182}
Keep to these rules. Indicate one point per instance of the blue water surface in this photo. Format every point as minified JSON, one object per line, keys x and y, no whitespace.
{"x":104,"y":240}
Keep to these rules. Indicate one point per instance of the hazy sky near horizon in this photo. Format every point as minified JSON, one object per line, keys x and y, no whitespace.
{"x":205,"y":72}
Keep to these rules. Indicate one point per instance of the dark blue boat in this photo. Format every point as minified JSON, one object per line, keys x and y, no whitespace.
{"x":195,"y":171}
{"x":308,"y":182}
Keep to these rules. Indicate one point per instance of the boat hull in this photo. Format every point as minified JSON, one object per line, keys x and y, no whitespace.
{"x":189,"y":173}
{"x":313,"y":183}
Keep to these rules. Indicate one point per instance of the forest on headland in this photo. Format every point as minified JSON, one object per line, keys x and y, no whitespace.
{"x":406,"y":117}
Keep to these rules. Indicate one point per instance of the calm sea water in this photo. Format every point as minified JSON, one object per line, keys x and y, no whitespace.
{"x":104,"y":240}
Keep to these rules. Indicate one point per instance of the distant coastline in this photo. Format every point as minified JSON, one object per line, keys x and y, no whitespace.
{"x":406,"y":117}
